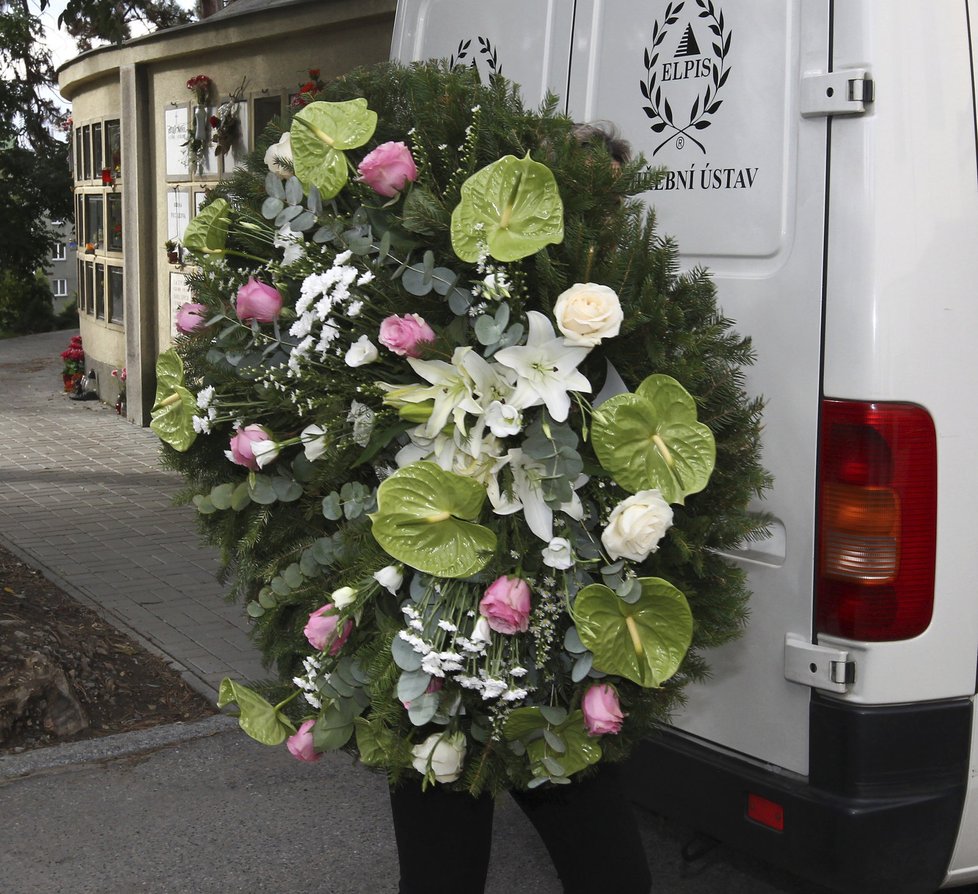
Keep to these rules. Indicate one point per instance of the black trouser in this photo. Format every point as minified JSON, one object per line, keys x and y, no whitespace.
{"x":444,"y":837}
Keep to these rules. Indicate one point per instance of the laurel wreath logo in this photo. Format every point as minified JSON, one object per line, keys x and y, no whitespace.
{"x":486,"y":49}
{"x":706,"y":104}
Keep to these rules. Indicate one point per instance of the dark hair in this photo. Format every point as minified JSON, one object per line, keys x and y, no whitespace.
{"x":606,"y":134}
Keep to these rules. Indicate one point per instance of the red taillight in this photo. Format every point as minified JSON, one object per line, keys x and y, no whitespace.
{"x":877,"y":520}
{"x":767,"y":813}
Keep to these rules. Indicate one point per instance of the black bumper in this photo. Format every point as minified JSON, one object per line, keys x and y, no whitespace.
{"x":877,"y":814}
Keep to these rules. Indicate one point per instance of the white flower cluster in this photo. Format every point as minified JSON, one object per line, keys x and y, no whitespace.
{"x":462,"y":649}
{"x":310,"y":683}
{"x":205,"y":400}
{"x":322,"y":294}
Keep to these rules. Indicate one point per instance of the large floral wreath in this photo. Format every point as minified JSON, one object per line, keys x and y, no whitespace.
{"x":470,"y":444}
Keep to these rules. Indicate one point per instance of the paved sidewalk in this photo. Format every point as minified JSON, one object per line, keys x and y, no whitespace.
{"x":82,"y":496}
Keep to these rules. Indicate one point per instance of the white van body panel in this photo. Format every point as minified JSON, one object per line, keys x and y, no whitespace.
{"x":845,"y":246}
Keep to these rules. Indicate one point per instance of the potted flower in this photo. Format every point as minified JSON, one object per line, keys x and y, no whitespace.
{"x":172,"y":251}
{"x":120,"y":402}
{"x":74,"y":364}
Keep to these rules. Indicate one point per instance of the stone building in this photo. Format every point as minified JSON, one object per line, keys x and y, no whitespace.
{"x":135,"y":187}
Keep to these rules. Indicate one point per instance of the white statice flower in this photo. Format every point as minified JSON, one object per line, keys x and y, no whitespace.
{"x":546,"y":368}
{"x":366,"y":277}
{"x":518,"y":671}
{"x":414,"y":641}
{"x":431,"y":663}
{"x":558,"y":554}
{"x":201,"y":424}
{"x":205,"y":397}
{"x":362,"y":419}
{"x":361,"y":352}
{"x":493,"y":688}
{"x":515,"y":695}
{"x":343,"y":597}
{"x":390,"y":577}
{"x":447,"y":625}
{"x":636,"y":525}
{"x":313,"y":439}
{"x":354,"y":308}
{"x":503,"y":420}
{"x":265,"y":452}
{"x":495,"y":285}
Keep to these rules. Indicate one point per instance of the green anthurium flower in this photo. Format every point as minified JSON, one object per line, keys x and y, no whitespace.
{"x":425,"y":518}
{"x":651,"y":439}
{"x":320,"y":133}
{"x":258,"y":718}
{"x":175,"y":406}
{"x":207,"y":233}
{"x":644,"y":641}
{"x":511,"y":208}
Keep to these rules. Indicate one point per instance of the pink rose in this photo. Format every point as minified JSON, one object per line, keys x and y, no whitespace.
{"x":242,"y":451}
{"x":300,"y":743}
{"x":190,"y":317}
{"x":404,"y":335}
{"x":388,"y":169}
{"x":257,"y":301}
{"x":506,"y":605}
{"x":321,"y":629}
{"x":602,"y":713}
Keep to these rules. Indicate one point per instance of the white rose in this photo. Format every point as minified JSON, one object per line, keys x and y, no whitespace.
{"x":440,"y":756}
{"x":279,"y":152}
{"x":587,"y":313}
{"x":503,"y":420}
{"x":313,"y":439}
{"x":343,"y":597}
{"x":557,"y":554}
{"x":636,"y":525}
{"x":390,"y":577}
{"x":362,"y":352}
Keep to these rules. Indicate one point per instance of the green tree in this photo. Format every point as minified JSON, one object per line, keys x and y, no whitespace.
{"x":90,"y":21}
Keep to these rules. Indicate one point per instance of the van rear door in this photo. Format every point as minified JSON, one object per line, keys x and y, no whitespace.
{"x":712,"y":91}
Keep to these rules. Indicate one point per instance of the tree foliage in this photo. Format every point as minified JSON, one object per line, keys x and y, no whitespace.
{"x":90,"y":21}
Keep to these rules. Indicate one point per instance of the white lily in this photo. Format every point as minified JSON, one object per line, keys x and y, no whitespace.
{"x":546,"y":368}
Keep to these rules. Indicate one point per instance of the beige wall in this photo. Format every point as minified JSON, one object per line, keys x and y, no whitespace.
{"x":273,"y":51}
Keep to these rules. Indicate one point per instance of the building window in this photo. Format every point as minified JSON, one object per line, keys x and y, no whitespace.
{"x":79,"y":161}
{"x":59,"y":252}
{"x":266,"y":108}
{"x":113,"y":147}
{"x":100,"y":291}
{"x":87,"y":152}
{"x":114,"y":213}
{"x":116,"y":302}
{"x":87,"y":277}
{"x":97,"y":151}
{"x":60,"y":288}
{"x":82,"y":291}
{"x":93,"y":221}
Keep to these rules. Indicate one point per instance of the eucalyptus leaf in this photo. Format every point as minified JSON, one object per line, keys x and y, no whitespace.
{"x":423,"y":708}
{"x":293,"y":576}
{"x":333,"y":729}
{"x":254,"y":610}
{"x":572,"y":641}
{"x":204,"y":504}
{"x":293,"y":190}
{"x":271,"y":207}
{"x":241,"y":497}
{"x":266,"y":598}
{"x":459,"y":301}
{"x":332,"y":508}
{"x":555,"y":714}
{"x":645,"y":641}
{"x":425,"y":518}
{"x":512,"y":207}
{"x":442,"y":279}
{"x":286,"y":489}
{"x":652,"y":439}
{"x":411,"y":684}
{"x":257,"y":717}
{"x":554,"y":742}
{"x":273,"y":186}
{"x":582,"y":667}
{"x":263,"y":491}
{"x":221,"y":495}
{"x":414,"y":282}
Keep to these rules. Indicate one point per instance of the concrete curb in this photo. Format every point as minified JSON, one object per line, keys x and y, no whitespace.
{"x":107,"y":748}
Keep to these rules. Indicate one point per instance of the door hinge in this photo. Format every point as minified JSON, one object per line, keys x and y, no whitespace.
{"x":846,"y":92}
{"x":821,"y":667}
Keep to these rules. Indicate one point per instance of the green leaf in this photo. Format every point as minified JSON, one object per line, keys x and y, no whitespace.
{"x":404,"y":655}
{"x":581,"y":750}
{"x":207,"y":233}
{"x":651,"y":439}
{"x":175,"y":406}
{"x":258,"y":718}
{"x":241,"y":496}
{"x":512,"y":207}
{"x":644,"y":641}
{"x":425,"y":518}
{"x":423,"y":708}
{"x":320,"y":133}
{"x":334,"y":727}
{"x":262,"y":490}
{"x":221,"y":495}
{"x":374,"y":742}
{"x":412,"y":684}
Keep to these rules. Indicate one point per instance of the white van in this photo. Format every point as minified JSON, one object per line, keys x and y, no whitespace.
{"x":822,"y":163}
